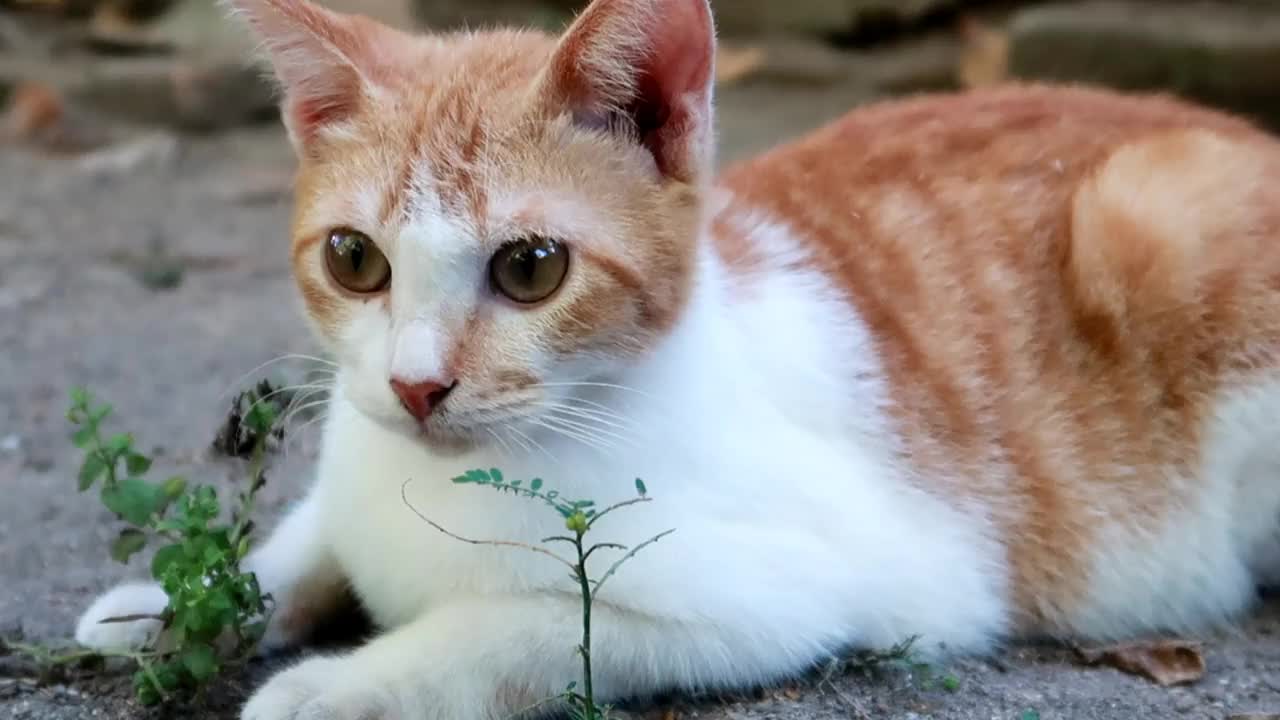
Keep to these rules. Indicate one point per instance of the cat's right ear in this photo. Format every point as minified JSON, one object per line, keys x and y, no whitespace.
{"x":644,"y":68}
{"x":325,"y":62}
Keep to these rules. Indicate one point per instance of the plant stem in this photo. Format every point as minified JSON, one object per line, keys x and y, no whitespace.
{"x":45,"y":656}
{"x":150,"y":672}
{"x":246,"y":509}
{"x":584,"y":584}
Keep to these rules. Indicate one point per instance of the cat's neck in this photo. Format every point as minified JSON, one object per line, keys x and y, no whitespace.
{"x":764,"y":328}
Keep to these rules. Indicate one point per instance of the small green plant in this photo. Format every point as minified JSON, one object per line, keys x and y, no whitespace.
{"x":579,"y":518}
{"x":216,"y":612}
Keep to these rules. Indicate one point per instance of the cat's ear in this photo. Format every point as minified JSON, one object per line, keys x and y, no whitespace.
{"x":646,"y":68}
{"x":325,"y":62}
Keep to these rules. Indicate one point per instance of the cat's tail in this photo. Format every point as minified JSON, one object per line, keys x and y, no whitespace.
{"x":1164,"y":222}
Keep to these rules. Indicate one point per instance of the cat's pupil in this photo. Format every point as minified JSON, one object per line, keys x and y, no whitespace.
{"x":355,"y":252}
{"x":526,"y":262}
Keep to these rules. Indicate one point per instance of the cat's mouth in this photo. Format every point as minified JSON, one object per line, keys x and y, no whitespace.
{"x":453,"y":431}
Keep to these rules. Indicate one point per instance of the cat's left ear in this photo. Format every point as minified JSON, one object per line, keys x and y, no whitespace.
{"x":646,"y":68}
{"x":327,"y":63}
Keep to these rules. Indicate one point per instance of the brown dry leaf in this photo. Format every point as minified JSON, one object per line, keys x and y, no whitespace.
{"x":984,"y":55}
{"x":1168,"y":662}
{"x":734,"y":64}
{"x":38,"y":115}
{"x":34,"y":110}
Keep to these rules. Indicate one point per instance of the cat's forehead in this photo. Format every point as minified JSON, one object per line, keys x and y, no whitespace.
{"x":465,"y":144}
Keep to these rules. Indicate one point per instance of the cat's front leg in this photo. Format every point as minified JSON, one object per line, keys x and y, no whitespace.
{"x":485,"y":658}
{"x":294,"y":565}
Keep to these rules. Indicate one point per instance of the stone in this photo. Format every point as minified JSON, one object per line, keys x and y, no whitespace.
{"x":1224,"y":54}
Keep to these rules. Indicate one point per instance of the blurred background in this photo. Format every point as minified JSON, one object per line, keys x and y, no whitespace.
{"x":144,"y":202}
{"x":785,"y":64}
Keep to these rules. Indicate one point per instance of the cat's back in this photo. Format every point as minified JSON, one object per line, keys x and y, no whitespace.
{"x":1063,"y":286}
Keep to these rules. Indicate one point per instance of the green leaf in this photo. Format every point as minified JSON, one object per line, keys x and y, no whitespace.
{"x":83,"y":436}
{"x":137,"y":463}
{"x":134,"y":500}
{"x":243,"y":548}
{"x":174,"y":486}
{"x":640,"y":488}
{"x":495,"y":475}
{"x":1030,"y":715}
{"x":165,"y":558}
{"x":98,"y":413}
{"x":951,"y":683}
{"x":261,"y":417}
{"x":79,"y":396}
{"x":535,"y":484}
{"x":120,"y":443}
{"x":129,"y":542}
{"x":92,"y":469}
{"x":144,"y":689}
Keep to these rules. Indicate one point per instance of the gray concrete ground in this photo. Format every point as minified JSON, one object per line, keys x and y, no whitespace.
{"x":74,"y":235}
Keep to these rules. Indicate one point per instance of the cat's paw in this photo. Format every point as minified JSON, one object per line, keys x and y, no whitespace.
{"x":315,"y":690}
{"x":121,"y":601}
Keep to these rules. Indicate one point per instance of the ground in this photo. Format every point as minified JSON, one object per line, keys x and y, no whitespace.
{"x":84,"y":243}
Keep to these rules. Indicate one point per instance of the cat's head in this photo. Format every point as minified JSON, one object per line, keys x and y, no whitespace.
{"x":484,"y":219}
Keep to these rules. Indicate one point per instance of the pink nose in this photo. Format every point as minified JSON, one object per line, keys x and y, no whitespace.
{"x":420,"y":398}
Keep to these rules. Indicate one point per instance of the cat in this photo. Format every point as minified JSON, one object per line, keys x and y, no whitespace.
{"x":962,"y":366}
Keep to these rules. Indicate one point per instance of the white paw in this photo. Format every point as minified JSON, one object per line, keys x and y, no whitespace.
{"x":316,"y":690}
{"x":120,"y":601}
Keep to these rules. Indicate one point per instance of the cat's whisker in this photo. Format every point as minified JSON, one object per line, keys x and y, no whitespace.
{"x":513,"y":430}
{"x":281,"y":358}
{"x":610,"y":386}
{"x":603,"y":449}
{"x":502,"y":444}
{"x":589,"y":428}
{"x":522,"y":444}
{"x":303,"y":407}
{"x":297,"y":403}
{"x":577,"y":431}
{"x":611,"y":420}
{"x":310,"y":392}
{"x":298,"y":431}
{"x":590,"y":403}
{"x":288,"y":388}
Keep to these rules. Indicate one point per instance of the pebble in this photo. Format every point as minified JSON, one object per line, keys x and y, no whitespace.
{"x":11,"y":443}
{"x":156,"y":149}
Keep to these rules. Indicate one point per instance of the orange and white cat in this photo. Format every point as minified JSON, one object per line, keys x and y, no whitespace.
{"x":967,"y":367}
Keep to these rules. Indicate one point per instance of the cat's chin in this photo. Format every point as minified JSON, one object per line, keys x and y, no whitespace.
{"x":439,"y":439}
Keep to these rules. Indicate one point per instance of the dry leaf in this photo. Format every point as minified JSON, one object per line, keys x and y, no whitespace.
{"x":34,"y":110}
{"x":984,"y":57}
{"x":1170,"y":662}
{"x":38,"y":115}
{"x":734,"y":64}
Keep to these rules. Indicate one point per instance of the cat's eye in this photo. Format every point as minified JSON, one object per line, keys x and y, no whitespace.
{"x":355,"y":262}
{"x":529,"y":270}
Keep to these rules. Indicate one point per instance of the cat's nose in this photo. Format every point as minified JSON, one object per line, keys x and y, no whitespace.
{"x":422,"y":397}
